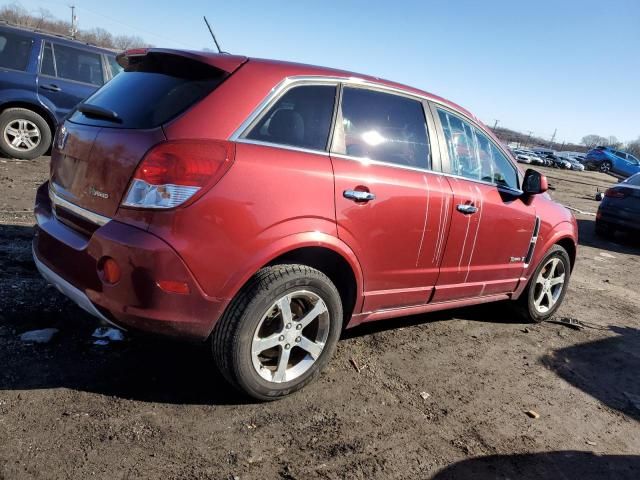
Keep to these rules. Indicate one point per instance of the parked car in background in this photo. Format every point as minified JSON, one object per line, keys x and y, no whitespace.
{"x":620,"y":208}
{"x":261,"y":205}
{"x":569,"y":157}
{"x":43,"y":77}
{"x":607,"y":159}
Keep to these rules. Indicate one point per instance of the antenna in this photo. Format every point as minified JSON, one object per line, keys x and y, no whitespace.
{"x":212,"y":35}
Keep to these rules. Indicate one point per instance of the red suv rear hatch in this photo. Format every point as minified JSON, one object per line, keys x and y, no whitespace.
{"x":97,"y":150}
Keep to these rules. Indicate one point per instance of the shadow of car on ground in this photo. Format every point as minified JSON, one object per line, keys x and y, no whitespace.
{"x":544,"y":465}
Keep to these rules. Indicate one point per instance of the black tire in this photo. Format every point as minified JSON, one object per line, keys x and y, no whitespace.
{"x":525,"y":305}
{"x":13,"y":115}
{"x":232,"y":337}
{"x":605,"y":167}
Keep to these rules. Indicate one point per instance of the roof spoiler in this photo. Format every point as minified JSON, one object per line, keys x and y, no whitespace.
{"x":225,"y":62}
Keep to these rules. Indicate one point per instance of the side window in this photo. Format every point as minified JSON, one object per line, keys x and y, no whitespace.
{"x":622,"y":155}
{"x":385,"y":127}
{"x":14,"y":50}
{"x":79,"y":65}
{"x":461,"y":146}
{"x":473,"y":155}
{"x":47,"y":67}
{"x":300,"y":118}
{"x":113,"y":65}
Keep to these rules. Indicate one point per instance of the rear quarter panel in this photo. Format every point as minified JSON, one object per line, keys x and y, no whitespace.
{"x":271,"y":201}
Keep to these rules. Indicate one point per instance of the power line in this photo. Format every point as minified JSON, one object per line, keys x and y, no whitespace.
{"x":114,"y":20}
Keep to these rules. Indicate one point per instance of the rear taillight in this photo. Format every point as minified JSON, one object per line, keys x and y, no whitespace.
{"x":616,"y":193}
{"x":175,"y":172}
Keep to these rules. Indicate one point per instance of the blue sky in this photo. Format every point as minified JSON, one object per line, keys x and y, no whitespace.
{"x":535,"y":65}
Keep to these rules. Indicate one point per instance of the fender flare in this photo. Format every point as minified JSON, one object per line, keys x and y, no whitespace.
{"x":564,"y":230}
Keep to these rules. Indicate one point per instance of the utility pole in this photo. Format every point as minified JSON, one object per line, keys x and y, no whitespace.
{"x":553,"y":137}
{"x":529,"y":137}
{"x":74,"y":29}
{"x":495,"y":124}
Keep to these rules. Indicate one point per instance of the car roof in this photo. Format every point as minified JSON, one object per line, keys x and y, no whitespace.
{"x":62,"y":39}
{"x":287,"y":69}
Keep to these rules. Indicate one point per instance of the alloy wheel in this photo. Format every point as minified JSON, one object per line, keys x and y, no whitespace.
{"x":605,"y":167}
{"x":290,"y":336}
{"x":22,"y":135}
{"x":549,"y":285}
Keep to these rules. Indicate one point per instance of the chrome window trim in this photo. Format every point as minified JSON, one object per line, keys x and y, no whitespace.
{"x":324,"y":153}
{"x":296,"y":80}
{"x":88,"y":215}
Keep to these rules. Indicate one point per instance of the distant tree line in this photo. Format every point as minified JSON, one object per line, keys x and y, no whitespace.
{"x":45,"y":21}
{"x":587,"y":143}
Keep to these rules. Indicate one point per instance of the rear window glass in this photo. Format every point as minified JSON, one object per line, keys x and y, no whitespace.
{"x":151,"y":91}
{"x":14,"y":50}
{"x":635,"y":180}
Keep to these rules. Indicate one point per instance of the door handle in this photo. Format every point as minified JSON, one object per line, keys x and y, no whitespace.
{"x":466,"y":209}
{"x":53,"y":88}
{"x":358,"y":195}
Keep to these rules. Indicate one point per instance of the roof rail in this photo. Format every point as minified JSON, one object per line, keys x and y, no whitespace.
{"x":52,"y":34}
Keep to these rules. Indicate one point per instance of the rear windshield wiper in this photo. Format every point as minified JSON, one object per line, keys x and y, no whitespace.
{"x":99,"y":112}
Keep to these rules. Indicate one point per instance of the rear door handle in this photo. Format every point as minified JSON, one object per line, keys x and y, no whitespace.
{"x":466,"y":209}
{"x":358,"y":195}
{"x":53,"y":88}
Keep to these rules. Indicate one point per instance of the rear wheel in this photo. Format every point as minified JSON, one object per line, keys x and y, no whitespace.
{"x":279,"y":332}
{"x":23,"y":134}
{"x":605,"y":167}
{"x":547,"y":286}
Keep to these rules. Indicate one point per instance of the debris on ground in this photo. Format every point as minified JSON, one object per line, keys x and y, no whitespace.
{"x":589,"y":442}
{"x":101,"y":342}
{"x":356,"y":365}
{"x":570,"y":322}
{"x":39,"y":336}
{"x":532,"y":414}
{"x":424,"y":395}
{"x":108,"y":333}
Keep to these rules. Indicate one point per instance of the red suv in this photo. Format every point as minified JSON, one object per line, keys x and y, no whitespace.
{"x":263,"y":206}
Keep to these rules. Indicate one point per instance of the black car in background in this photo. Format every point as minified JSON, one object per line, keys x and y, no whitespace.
{"x":620,"y":208}
{"x":43,"y":77}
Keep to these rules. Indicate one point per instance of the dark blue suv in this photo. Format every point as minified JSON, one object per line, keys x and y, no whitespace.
{"x":607,"y":159}
{"x":42,"y":77}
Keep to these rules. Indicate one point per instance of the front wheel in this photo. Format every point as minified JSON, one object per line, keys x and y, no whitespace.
{"x":547,"y":286}
{"x":279,"y":332}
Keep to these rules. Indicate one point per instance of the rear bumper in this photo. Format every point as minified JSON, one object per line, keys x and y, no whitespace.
{"x":69,"y":260}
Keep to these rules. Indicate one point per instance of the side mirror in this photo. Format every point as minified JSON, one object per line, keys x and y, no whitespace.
{"x":534,"y":183}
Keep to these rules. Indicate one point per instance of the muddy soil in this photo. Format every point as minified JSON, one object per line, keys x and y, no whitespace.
{"x":443,"y":395}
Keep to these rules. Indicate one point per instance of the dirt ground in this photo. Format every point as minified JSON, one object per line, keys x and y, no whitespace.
{"x":150,"y":408}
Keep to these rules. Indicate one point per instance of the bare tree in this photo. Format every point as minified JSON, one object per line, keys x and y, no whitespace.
{"x":44,"y":20}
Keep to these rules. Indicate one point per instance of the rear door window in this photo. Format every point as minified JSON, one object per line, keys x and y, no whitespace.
{"x":78,"y":65}
{"x":48,"y":67}
{"x":14,"y":50}
{"x":300,"y":118}
{"x":384,"y":127}
{"x":151,"y":91}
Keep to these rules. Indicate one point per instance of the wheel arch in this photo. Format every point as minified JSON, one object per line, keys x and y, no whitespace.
{"x":317,"y":250}
{"x":34,"y":107}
